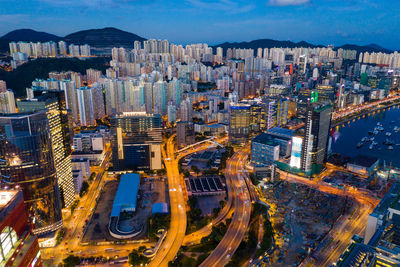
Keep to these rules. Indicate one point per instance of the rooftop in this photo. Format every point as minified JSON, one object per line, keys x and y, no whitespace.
{"x":126,"y":193}
{"x":265,"y":139}
{"x":6,"y":196}
{"x":364,"y":160}
{"x":281,"y":131}
{"x":390,"y":199}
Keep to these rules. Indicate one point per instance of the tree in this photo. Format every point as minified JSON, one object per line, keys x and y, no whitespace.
{"x":71,"y":261}
{"x":84,"y":188}
{"x":195,"y":169}
{"x":186,"y":173}
{"x":137,"y":258}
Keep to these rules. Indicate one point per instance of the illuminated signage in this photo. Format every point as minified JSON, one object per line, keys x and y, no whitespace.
{"x":295,"y":157}
{"x":314,"y":97}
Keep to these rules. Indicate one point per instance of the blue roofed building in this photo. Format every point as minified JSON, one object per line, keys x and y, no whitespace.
{"x":159,"y":207}
{"x":124,"y":202}
{"x":283,"y":137}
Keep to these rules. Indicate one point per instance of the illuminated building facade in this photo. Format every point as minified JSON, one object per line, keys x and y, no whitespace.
{"x":136,"y":141}
{"x":54,"y":104}
{"x":26,"y":160}
{"x":18,"y":245}
{"x":239,"y":125}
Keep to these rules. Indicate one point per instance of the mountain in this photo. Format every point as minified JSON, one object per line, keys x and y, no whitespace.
{"x":366,"y":48}
{"x":106,"y":37}
{"x":264,"y":43}
{"x":29,"y":35}
{"x":269,"y":43}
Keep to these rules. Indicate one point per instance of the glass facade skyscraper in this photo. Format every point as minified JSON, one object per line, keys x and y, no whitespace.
{"x":54,"y":103}
{"x":26,"y":160}
{"x":239,"y":125}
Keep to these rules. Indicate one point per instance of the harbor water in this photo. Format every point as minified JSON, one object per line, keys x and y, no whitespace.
{"x":382,"y":126}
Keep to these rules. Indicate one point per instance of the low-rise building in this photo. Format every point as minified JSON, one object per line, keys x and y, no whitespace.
{"x":82,"y":164}
{"x":78,"y":180}
{"x":363,"y":164}
{"x":124,"y":203}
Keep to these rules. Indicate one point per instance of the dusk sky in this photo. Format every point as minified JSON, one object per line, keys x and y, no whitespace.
{"x":319,"y":22}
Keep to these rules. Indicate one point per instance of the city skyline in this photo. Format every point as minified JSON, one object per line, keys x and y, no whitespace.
{"x":329,"y":22}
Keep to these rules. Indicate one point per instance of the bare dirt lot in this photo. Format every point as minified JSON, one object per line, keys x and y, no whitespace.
{"x":301,"y":217}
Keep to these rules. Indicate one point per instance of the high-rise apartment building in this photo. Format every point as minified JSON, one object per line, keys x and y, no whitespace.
{"x":27,"y":160}
{"x":90,"y":104}
{"x":93,"y":75}
{"x":62,"y":48}
{"x":136,"y":141}
{"x":7,"y":101}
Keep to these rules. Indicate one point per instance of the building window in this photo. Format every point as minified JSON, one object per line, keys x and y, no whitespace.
{"x":8,"y":238}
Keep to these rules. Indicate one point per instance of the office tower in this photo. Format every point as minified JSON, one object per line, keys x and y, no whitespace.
{"x":93,"y":75}
{"x":185,"y":133}
{"x":136,"y":141}
{"x":7,"y":101}
{"x":27,"y":161}
{"x":91,"y":105}
{"x":316,"y":135}
{"x":258,"y":117}
{"x":3,"y":86}
{"x":282,"y":111}
{"x":53,"y":102}
{"x":18,"y":245}
{"x":239,"y":123}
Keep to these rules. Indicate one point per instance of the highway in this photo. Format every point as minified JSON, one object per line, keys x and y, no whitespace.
{"x":177,"y":229}
{"x":222,"y":254}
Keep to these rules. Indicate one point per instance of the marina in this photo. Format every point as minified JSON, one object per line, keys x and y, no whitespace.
{"x":375,"y":134}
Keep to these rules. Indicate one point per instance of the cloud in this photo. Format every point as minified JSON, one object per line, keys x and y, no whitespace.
{"x":226,"y":6}
{"x":288,"y":2}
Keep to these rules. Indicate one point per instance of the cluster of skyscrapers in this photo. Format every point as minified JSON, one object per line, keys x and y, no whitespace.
{"x":280,"y":99}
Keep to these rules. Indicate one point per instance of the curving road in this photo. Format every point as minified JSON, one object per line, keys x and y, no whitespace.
{"x":177,"y":229}
{"x":242,"y":211}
